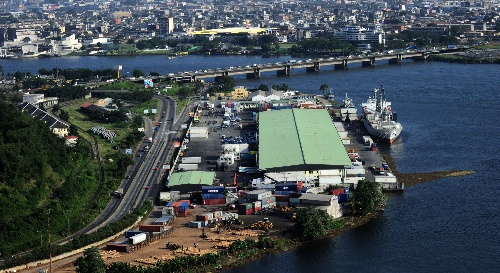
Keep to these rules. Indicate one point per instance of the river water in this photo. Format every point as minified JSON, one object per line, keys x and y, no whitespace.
{"x":450,"y":116}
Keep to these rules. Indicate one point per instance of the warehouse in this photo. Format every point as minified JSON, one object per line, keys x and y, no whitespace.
{"x":300,"y":140}
{"x":190,"y":181}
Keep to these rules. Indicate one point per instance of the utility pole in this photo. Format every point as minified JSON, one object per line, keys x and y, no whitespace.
{"x":50,"y":246}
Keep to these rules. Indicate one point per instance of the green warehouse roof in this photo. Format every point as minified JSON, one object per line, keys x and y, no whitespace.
{"x":299,"y":140}
{"x":190,"y":181}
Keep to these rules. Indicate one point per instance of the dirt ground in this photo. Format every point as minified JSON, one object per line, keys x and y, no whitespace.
{"x":183,"y":236}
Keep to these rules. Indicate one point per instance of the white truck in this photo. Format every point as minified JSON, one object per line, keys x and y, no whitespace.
{"x":191,"y":160}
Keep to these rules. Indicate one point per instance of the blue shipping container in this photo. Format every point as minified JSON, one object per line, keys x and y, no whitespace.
{"x":304,"y":189}
{"x":286,"y":187}
{"x":169,"y":204}
{"x":344,"y":197}
{"x":185,"y":204}
{"x":286,"y":193}
{"x":130,"y":233}
{"x":212,"y":189}
{"x":206,"y":196}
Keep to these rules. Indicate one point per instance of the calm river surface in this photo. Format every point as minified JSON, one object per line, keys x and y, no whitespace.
{"x":451,"y":119}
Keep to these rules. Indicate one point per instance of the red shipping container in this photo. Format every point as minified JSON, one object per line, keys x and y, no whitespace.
{"x":182,"y":213}
{"x":337,"y":192}
{"x":249,"y":211}
{"x":201,"y":217}
{"x":281,"y":198}
{"x":257,"y":209}
{"x":221,"y":201}
{"x":151,"y":228}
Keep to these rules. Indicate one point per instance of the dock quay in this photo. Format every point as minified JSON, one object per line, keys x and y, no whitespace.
{"x":359,"y":144}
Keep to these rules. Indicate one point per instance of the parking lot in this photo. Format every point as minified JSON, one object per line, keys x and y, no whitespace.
{"x":211,"y":149}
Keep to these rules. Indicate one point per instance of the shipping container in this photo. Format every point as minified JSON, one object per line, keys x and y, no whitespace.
{"x":182,"y":213}
{"x":269,"y":205}
{"x":232,"y":189}
{"x":285,"y":193}
{"x":220,"y":201}
{"x":286,"y":187}
{"x":337,"y":191}
{"x":186,"y":200}
{"x":268,"y":200}
{"x":194,"y":224}
{"x":130,"y":233}
{"x":256,"y":205}
{"x":258,"y":194}
{"x":217,"y":214}
{"x":163,"y":220}
{"x":191,"y":160}
{"x":344,"y":197}
{"x":245,"y":212}
{"x":201,"y":217}
{"x":278,"y":203}
{"x":204,"y":223}
{"x":151,"y":228}
{"x":188,"y":167}
{"x":295,"y":194}
{"x":139,"y":238}
{"x":118,"y":247}
{"x":244,"y":208}
{"x":281,"y":198}
{"x":212,"y":189}
{"x":205,"y":196}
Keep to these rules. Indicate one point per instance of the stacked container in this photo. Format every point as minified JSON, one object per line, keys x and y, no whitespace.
{"x":180,"y":208}
{"x":257,"y":205}
{"x":268,"y":202}
{"x":213,"y":195}
{"x":130,"y":233}
{"x":282,"y":200}
{"x":258,"y":195}
{"x":138,"y":238}
{"x":151,"y":228}
{"x":245,"y":209}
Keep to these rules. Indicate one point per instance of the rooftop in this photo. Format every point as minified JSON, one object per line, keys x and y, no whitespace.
{"x":191,"y":178}
{"x":299,"y":140}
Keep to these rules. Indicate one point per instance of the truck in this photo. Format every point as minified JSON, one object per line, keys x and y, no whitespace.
{"x":146,"y":148}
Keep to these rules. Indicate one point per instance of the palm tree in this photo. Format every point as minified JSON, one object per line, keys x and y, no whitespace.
{"x":323,"y":88}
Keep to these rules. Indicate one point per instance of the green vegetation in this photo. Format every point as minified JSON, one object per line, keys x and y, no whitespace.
{"x":312,"y":223}
{"x":90,"y":262}
{"x":366,"y":198}
{"x":38,"y":174}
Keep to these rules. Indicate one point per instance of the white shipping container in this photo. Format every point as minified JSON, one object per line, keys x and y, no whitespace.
{"x":193,"y":137}
{"x":188,"y":167}
{"x":191,"y":160}
{"x":198,"y":130}
{"x":330,"y":180}
{"x":353,"y":179}
{"x":269,"y":205}
{"x":329,"y":172}
{"x":343,"y":134}
{"x":346,"y":141}
{"x":385,"y":179}
{"x":355,"y":171}
{"x":139,"y":238}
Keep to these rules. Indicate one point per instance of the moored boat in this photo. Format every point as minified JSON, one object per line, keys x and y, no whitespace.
{"x":379,"y":119}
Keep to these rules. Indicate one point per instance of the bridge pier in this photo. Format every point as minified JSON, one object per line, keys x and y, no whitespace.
{"x":369,"y":63}
{"x":397,"y":60}
{"x":313,"y":68}
{"x":285,"y":71}
{"x":342,"y":66}
{"x":254,"y":75}
{"x":420,"y":58}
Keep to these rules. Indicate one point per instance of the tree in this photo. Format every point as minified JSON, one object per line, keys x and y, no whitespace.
{"x":226,"y":84}
{"x":154,"y":74}
{"x":56,"y":108}
{"x":263,"y":87}
{"x":367,"y":197}
{"x":323,"y":88}
{"x":64,"y":115}
{"x":311,"y":223}
{"x":90,"y":262}
{"x":73,"y":130}
{"x":138,"y":73}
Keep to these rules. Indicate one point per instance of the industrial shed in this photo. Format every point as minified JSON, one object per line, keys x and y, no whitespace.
{"x":190,"y":181}
{"x":328,"y":203}
{"x":299,"y":140}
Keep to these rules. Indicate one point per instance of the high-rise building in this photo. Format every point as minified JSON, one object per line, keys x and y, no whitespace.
{"x":166,"y":25}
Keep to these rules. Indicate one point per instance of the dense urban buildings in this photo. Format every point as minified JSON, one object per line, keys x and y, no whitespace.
{"x":32,"y":27}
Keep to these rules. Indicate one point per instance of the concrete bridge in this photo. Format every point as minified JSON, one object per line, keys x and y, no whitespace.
{"x":286,"y":68}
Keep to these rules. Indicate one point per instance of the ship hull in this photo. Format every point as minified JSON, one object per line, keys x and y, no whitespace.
{"x":384,"y":132}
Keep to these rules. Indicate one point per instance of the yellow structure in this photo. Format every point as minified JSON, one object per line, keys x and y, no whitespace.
{"x":239,"y":93}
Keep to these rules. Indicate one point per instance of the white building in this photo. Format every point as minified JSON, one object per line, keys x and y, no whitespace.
{"x":361,"y":36}
{"x":328,"y":203}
